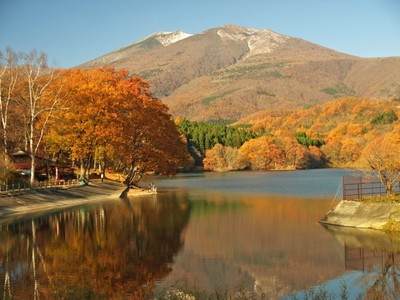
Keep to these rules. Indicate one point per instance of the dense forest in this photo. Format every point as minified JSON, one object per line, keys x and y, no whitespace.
{"x":223,"y":147}
{"x":205,"y":135}
{"x":334,"y":134}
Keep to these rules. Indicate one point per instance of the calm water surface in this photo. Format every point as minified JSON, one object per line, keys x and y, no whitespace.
{"x":214,"y":234}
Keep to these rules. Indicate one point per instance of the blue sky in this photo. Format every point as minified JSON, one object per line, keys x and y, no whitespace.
{"x":72,"y":32}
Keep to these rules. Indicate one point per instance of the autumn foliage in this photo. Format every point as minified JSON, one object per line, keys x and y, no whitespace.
{"x":333,"y":134}
{"x":382,"y":157}
{"x":111,"y":118}
{"x":89,"y":118}
{"x":106,"y":119}
{"x":117,"y":252}
{"x":225,"y":158}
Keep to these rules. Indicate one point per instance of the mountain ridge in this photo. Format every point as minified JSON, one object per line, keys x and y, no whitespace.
{"x":230,"y":72}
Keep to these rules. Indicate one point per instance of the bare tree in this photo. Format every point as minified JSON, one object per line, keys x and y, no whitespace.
{"x":381,"y":157}
{"x":42,"y":100}
{"x":8,"y":80}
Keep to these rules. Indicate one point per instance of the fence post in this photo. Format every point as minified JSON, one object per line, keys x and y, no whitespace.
{"x":343,"y":188}
{"x":373,"y":194}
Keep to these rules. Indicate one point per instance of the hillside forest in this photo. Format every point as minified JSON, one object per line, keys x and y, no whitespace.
{"x":106,"y":119}
{"x":335,"y":134}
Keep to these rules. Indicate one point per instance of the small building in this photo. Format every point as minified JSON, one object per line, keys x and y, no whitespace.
{"x":21,"y":161}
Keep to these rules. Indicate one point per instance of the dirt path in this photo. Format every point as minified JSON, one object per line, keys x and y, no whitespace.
{"x":27,"y":202}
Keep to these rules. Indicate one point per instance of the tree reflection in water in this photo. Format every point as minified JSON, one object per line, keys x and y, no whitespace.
{"x":383,"y":282}
{"x":116,"y":250}
{"x":373,"y":259}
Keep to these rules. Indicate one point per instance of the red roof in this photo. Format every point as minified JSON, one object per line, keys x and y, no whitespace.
{"x":22,"y":165}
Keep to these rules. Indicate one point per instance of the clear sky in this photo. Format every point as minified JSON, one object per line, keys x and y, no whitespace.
{"x":72,"y":32}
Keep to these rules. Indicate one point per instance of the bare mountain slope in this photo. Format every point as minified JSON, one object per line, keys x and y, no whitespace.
{"x":231,"y":72}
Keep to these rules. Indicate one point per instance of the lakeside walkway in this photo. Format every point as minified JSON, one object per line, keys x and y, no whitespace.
{"x":33,"y":201}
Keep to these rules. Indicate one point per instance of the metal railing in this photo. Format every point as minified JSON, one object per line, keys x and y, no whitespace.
{"x":360,"y":187}
{"x":14,"y":187}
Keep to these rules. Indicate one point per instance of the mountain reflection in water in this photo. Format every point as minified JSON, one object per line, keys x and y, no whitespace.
{"x":195,"y":238}
{"x":257,"y":242}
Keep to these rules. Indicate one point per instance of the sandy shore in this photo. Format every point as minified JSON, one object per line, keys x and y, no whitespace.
{"x":34,"y":201}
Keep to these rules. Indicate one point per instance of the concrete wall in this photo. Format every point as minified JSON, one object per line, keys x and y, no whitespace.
{"x":361,"y":214}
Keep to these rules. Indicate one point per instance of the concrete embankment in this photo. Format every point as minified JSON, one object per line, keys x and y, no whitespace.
{"x":362,"y":214}
{"x":33,"y":201}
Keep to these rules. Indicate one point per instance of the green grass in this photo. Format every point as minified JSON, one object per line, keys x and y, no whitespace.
{"x":392,"y":225}
{"x":275,"y":74}
{"x":257,"y":71}
{"x":395,"y":198}
{"x":149,"y":73}
{"x":207,"y":101}
{"x":340,"y":90}
{"x":265,"y":93}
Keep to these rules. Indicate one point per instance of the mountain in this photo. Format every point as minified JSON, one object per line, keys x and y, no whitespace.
{"x":231,"y":72}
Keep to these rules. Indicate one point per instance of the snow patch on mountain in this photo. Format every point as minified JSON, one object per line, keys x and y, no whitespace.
{"x":168,"y":38}
{"x":232,"y":33}
{"x":265,"y":41}
{"x":258,"y":41}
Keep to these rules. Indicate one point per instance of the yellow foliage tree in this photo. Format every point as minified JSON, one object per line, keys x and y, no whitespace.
{"x":224,"y":158}
{"x":382,"y":158}
{"x":264,"y":153}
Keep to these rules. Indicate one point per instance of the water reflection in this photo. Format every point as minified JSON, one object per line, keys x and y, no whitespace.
{"x":103,"y":251}
{"x":211,"y":238}
{"x":307,"y":183}
{"x":265,"y":244}
{"x":371,"y":259}
{"x":376,"y":255}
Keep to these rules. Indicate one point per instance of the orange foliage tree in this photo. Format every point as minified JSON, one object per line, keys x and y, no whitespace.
{"x":114,"y":118}
{"x":264,"y":153}
{"x":346,"y":125}
{"x":296,"y":155}
{"x":224,"y":158}
{"x":382,"y":158}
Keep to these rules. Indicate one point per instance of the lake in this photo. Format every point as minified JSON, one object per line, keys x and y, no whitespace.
{"x":236,"y":235}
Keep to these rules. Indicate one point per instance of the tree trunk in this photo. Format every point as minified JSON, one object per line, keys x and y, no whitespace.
{"x":9,"y":71}
{"x":5,"y":142}
{"x":85,"y":167}
{"x":82,"y":169}
{"x":32,"y":155}
{"x":33,"y":162}
{"x":133,"y":177}
{"x":5,"y":145}
{"x":389,"y":188}
{"x":386,"y":181}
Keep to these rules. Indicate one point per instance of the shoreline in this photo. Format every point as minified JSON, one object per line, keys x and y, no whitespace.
{"x":19,"y":204}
